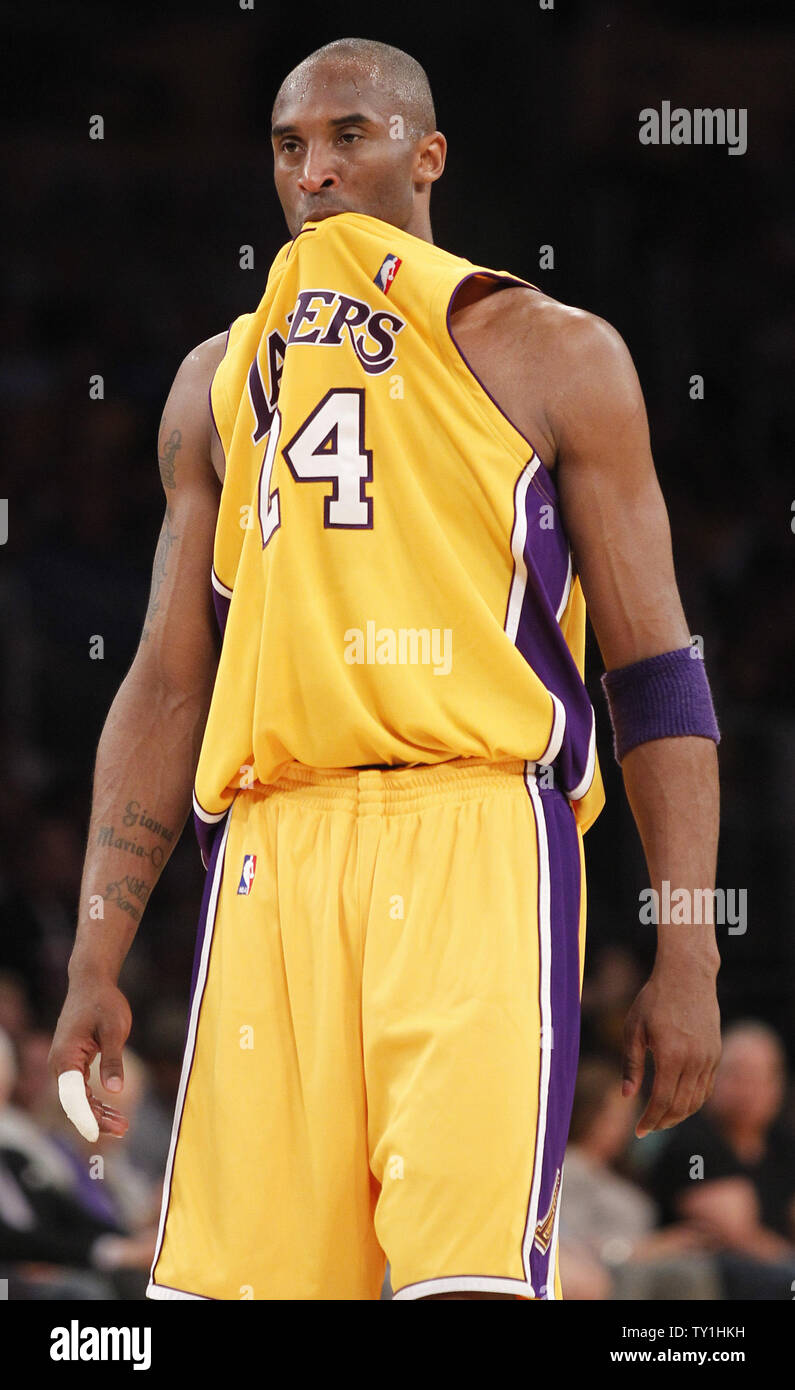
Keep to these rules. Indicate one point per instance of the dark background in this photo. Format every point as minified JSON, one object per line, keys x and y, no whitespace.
{"x":119,"y":256}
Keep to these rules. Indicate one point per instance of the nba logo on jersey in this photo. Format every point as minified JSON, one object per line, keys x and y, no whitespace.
{"x":247,"y":875}
{"x":387,"y":273}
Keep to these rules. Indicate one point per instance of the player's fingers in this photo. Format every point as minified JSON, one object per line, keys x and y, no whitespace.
{"x":110,"y":1121}
{"x":711,"y":1080}
{"x":633,"y":1062}
{"x":73,"y":1098}
{"x":681,"y":1102}
{"x":77,"y":1052}
{"x":700,"y":1092}
{"x":667,"y":1071}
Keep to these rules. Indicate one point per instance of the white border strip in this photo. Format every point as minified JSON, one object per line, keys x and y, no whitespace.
{"x":219,"y":584}
{"x":566,"y":591}
{"x":558,"y":730}
{"x":583,"y":786}
{"x":478,"y":1283}
{"x":545,"y":1002}
{"x":161,"y":1291}
{"x":209,"y":817}
{"x":208,"y":928}
{"x":518,"y":538}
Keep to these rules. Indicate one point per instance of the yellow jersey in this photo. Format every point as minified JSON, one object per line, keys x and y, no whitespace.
{"x":391,"y":574}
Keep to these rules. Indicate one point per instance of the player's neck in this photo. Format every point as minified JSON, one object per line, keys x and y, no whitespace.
{"x":419,"y":224}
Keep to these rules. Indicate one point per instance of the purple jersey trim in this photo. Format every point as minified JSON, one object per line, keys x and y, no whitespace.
{"x":538,"y":633}
{"x":206,"y":835}
{"x":305,"y":230}
{"x":547,"y":558}
{"x":221,"y":604}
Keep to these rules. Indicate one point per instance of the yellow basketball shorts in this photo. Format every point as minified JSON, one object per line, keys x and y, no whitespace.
{"x":383,"y":1039}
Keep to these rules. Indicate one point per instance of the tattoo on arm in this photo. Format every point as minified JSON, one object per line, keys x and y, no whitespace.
{"x":123,"y":890}
{"x":164,"y":544}
{"x":108,"y":838}
{"x":167,"y":458}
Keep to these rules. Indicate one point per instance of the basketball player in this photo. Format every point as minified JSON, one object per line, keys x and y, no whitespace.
{"x":404,"y":474}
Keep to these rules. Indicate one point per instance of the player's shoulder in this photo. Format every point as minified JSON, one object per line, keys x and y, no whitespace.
{"x":186,"y":415}
{"x":190,"y":388}
{"x":566,"y":331}
{"x":198,"y":366}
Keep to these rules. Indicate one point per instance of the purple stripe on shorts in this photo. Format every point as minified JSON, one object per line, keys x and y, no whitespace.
{"x":564,"y":974}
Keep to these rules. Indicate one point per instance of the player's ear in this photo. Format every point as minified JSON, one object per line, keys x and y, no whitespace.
{"x":430,"y":157}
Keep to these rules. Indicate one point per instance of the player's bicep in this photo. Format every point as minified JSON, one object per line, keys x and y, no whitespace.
{"x":179,"y":642}
{"x":613,"y":508}
{"x":183,"y":440}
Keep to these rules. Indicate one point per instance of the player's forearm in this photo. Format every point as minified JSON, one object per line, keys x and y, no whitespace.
{"x":672,"y":788}
{"x":143,"y":782}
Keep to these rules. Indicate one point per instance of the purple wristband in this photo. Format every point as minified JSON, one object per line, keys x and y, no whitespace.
{"x":665,"y":696}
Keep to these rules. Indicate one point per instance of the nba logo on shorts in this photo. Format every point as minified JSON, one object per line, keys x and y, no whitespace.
{"x":387,"y":273}
{"x":247,"y":876}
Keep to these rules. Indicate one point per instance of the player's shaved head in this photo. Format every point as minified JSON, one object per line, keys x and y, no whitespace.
{"x":401,"y":81}
{"x":354,"y":130}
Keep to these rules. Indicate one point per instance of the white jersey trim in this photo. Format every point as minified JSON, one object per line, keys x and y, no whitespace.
{"x":209,"y":817}
{"x":162,"y":1292}
{"x":582,"y":787}
{"x":219,"y":584}
{"x":566,"y":590}
{"x":518,"y":539}
{"x":478,"y":1283}
{"x":558,"y":729}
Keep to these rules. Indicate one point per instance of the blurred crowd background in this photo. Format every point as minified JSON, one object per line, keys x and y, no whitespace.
{"x":118,"y":257}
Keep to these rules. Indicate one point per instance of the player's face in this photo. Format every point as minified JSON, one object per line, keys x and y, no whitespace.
{"x":337,"y":149}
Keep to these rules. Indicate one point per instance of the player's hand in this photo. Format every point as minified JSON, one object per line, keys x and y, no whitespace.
{"x":676,"y":1017}
{"x":95,"y":1019}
